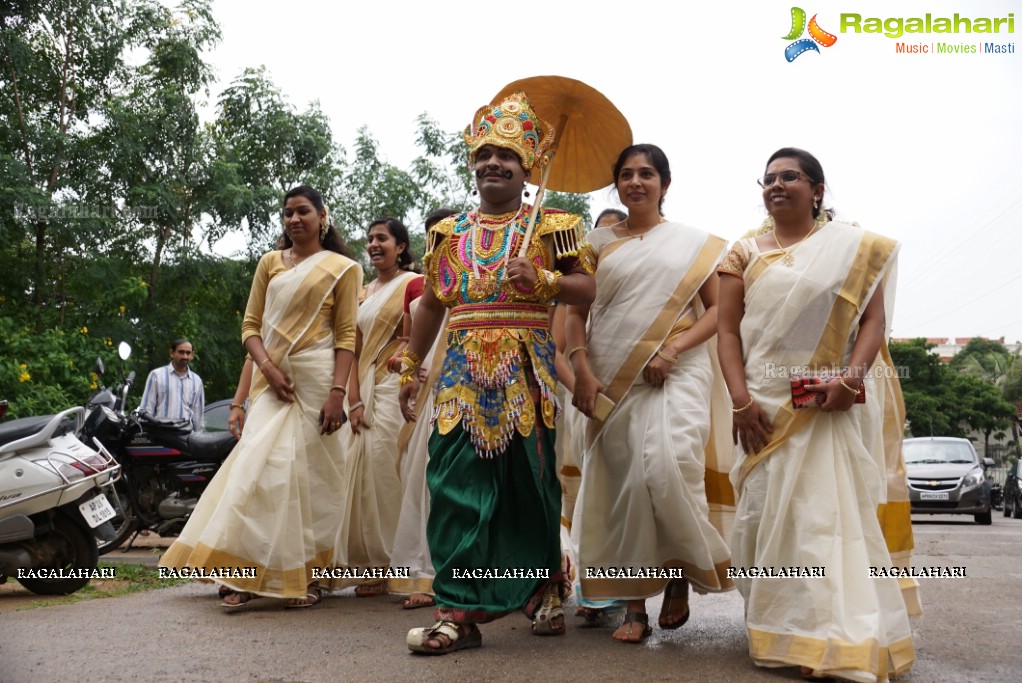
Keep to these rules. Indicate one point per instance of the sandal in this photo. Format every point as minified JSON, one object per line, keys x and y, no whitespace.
{"x":224,"y":591}
{"x":543,"y":623}
{"x":243,"y":598}
{"x":635,"y":618}
{"x":370,"y":590}
{"x":594,"y":616}
{"x":458,"y":637}
{"x":312,"y":597}
{"x":415,"y":601}
{"x":676,"y":588}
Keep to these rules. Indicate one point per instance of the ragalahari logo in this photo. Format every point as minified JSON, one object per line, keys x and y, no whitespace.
{"x":817,"y":35}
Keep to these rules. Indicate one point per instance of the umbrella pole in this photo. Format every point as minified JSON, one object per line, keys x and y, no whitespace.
{"x":535,"y":209}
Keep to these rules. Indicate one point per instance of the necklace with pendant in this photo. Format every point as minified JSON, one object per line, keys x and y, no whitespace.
{"x":482,"y":286}
{"x":788,"y":259}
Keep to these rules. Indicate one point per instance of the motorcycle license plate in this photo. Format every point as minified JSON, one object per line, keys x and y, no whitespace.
{"x":933,"y":495}
{"x":97,"y":511}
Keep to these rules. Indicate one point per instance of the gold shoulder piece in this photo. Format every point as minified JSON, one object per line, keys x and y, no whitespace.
{"x":438,"y":232}
{"x":566,"y":229}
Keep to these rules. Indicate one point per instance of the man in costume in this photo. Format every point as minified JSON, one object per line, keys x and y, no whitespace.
{"x":493,"y":527}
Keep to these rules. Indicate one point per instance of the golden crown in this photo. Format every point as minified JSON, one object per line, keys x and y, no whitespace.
{"x":511,"y":124}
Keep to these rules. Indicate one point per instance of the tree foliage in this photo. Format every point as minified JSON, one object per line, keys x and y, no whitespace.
{"x":113,"y":189}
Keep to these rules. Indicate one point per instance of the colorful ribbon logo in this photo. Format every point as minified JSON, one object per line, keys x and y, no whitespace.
{"x":817,"y":35}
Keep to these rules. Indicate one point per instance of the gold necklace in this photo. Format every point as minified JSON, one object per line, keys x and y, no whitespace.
{"x":641,"y":235}
{"x":291,"y":258}
{"x":788,"y":259}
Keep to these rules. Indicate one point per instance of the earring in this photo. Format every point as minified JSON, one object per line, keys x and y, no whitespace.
{"x":323,"y":227}
{"x":475,"y":191}
{"x":816,"y":203}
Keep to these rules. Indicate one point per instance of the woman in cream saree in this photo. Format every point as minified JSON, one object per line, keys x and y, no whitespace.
{"x":366,"y":535}
{"x":268,"y":520}
{"x":809,"y":298}
{"x":643,"y":507}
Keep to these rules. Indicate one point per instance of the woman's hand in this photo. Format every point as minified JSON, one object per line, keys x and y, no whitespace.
{"x":835,"y":396}
{"x":394,"y":363}
{"x":236,"y":421}
{"x":357,"y":418}
{"x":331,"y":415}
{"x":586,"y":388}
{"x":751,"y":427}
{"x":281,"y":384}
{"x":522,"y":272}
{"x":406,"y":398}
{"x":656,"y":371}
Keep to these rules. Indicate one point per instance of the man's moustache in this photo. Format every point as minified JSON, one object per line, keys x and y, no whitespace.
{"x":508,"y":175}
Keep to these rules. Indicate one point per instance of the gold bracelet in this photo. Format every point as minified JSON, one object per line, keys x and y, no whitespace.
{"x":849,"y":388}
{"x":265,"y":361}
{"x":745,"y":407}
{"x":238,"y":405}
{"x":548,"y":284}
{"x":571,"y":352}
{"x":356,"y":404}
{"x":338,"y":387}
{"x":670,"y":359}
{"x":410,"y":360}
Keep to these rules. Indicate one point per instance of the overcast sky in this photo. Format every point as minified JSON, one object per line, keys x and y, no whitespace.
{"x":924,"y":148}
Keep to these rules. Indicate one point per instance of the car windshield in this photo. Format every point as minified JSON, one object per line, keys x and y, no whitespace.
{"x":938,"y":452}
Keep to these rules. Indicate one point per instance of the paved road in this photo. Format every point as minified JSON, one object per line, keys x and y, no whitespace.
{"x":969,"y":632}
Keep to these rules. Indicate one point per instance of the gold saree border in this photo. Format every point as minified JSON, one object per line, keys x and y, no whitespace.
{"x":831,"y":655}
{"x":705,"y":580}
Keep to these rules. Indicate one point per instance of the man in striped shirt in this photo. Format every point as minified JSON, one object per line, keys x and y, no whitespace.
{"x":174,"y":392}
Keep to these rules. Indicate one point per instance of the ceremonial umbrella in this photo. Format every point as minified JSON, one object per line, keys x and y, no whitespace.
{"x":590,"y":133}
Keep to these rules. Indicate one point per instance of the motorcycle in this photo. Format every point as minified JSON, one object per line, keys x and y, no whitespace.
{"x":52,"y":506}
{"x":165,"y":465}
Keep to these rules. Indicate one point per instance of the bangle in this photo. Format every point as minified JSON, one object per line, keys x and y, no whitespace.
{"x":670,"y":359}
{"x":745,"y":407}
{"x":238,"y":405}
{"x":356,"y":404}
{"x":265,"y":361}
{"x":406,"y":378}
{"x":571,"y":352}
{"x":338,"y":387}
{"x":410,"y":359}
{"x":849,"y":387}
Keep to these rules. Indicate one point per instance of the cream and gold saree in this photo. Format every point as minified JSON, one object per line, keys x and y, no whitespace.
{"x":643,"y":500}
{"x":366,"y":535}
{"x":276,"y":502}
{"x":810,"y":498}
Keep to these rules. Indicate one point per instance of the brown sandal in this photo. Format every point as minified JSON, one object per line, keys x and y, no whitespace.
{"x":677,"y":590}
{"x":635,"y":618}
{"x":312,"y":597}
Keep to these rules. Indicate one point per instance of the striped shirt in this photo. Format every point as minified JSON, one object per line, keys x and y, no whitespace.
{"x":169,"y":395}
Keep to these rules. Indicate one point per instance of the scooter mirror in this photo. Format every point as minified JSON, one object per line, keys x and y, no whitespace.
{"x":98,"y":367}
{"x":124,"y":350}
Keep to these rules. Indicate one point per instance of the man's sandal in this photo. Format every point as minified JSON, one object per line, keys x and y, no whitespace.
{"x":677,"y":592}
{"x":312,"y":597}
{"x":635,"y":618}
{"x":543,"y":623}
{"x":458,"y":637}
{"x":236,"y":600}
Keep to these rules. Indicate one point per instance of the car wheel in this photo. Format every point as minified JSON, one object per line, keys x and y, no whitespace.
{"x":983,"y":518}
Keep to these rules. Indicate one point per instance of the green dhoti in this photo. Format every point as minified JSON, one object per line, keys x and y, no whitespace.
{"x":493,"y":527}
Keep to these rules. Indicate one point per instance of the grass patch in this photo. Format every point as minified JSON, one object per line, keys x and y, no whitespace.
{"x":129,"y":578}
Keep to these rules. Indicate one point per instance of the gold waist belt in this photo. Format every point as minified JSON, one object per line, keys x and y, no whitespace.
{"x":481,"y":316}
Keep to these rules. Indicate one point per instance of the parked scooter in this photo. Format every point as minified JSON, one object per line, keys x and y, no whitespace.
{"x":52,"y":507}
{"x":165,"y":465}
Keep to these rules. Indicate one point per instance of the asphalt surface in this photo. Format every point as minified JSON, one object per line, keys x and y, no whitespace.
{"x":969,"y":632}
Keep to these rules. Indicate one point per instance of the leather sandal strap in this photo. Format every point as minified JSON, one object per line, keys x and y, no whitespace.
{"x":637,"y":617}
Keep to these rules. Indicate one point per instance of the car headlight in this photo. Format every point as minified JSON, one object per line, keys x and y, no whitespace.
{"x":974,"y":478}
